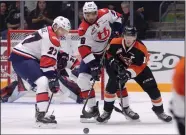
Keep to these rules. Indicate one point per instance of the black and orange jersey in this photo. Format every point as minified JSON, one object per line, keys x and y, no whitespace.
{"x":134,"y":58}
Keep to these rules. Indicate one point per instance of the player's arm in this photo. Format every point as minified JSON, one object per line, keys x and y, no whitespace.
{"x":116,"y":21}
{"x":138,"y":64}
{"x":111,"y":57}
{"x":49,"y":51}
{"x":84,"y":47}
{"x":87,"y":55}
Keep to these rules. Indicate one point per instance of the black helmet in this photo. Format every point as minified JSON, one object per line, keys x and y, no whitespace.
{"x":130,"y":31}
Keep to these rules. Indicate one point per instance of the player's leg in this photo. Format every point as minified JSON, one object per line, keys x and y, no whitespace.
{"x":109,"y":100}
{"x":147,"y":81}
{"x":84,"y":82}
{"x":110,"y":96}
{"x":128,"y":112}
{"x":7,"y":91}
{"x":14,"y":91}
{"x":71,"y":88}
{"x":30,"y":70}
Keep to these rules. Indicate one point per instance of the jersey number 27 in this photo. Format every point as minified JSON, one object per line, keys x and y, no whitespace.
{"x":52,"y":51}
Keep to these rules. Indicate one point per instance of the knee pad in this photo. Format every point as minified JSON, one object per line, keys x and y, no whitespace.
{"x":111,"y":86}
{"x":42,"y":84}
{"x":83,"y":81}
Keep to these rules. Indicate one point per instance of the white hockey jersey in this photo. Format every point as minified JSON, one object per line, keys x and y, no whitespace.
{"x":43,"y":45}
{"x":94,"y":37}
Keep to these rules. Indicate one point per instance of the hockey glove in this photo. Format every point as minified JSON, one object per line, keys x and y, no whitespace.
{"x":54,"y":85}
{"x":115,"y":65}
{"x":95,"y":71}
{"x":62,"y":60}
{"x":123,"y":76}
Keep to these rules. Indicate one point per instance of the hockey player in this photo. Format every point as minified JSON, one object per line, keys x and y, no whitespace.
{"x":177,"y":103}
{"x":94,"y":32}
{"x":68,"y":86}
{"x":34,"y":60}
{"x":127,"y":59}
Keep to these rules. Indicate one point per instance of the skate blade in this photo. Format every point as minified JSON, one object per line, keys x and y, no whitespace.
{"x":87,"y":120}
{"x":45,"y":126}
{"x":165,"y":121}
{"x":99,"y":123}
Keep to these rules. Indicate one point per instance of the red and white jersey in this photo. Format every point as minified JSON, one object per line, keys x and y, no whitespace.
{"x":72,"y":62}
{"x":42,"y":45}
{"x":94,"y":37}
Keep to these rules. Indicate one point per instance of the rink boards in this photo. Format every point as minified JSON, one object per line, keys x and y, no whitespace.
{"x":163,"y":57}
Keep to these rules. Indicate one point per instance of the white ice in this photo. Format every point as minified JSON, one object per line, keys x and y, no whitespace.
{"x":18,"y":118}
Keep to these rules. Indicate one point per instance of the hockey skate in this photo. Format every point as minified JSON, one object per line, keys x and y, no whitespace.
{"x":43,"y":121}
{"x":128,"y":113}
{"x":161,"y":114}
{"x":104,"y":117}
{"x":94,"y":112}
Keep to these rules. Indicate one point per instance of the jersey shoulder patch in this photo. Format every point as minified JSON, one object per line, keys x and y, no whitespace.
{"x":53,"y":38}
{"x":83,"y":28}
{"x":102,"y":12}
{"x":115,"y":41}
{"x":140,"y":46}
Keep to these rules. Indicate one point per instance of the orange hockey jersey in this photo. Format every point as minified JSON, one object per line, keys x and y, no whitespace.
{"x":134,"y":58}
{"x":178,"y":99}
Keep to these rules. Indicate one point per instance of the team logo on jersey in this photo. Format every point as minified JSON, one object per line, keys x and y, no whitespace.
{"x":125,"y":60}
{"x":104,"y":35}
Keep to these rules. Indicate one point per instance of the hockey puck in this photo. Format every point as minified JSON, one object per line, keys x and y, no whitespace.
{"x":86,"y":130}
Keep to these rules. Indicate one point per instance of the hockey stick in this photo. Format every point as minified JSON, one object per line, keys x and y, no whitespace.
{"x":84,"y":112}
{"x":121,"y":97}
{"x":58,"y":76}
{"x":49,"y":102}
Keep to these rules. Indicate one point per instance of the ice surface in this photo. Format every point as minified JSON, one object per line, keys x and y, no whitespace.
{"x":18,"y":118}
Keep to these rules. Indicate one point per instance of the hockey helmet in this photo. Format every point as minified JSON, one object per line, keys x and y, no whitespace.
{"x":62,"y":22}
{"x":130,"y":31}
{"x":90,"y":7}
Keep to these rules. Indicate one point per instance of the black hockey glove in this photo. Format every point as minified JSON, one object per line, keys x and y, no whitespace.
{"x":54,"y":85}
{"x":62,"y":60}
{"x":123,"y":76}
{"x":115,"y":64}
{"x":95,"y":70}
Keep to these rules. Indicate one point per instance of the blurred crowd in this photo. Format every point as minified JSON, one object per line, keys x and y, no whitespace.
{"x":39,"y":14}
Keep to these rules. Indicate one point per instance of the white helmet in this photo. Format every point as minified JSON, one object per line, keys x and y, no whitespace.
{"x":62,"y":22}
{"x":89,"y":7}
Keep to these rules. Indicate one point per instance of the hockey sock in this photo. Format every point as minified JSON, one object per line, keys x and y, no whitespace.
{"x":92,"y":100}
{"x":125,"y":98}
{"x":109,"y":100}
